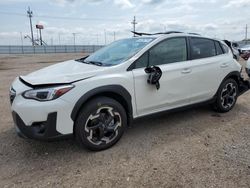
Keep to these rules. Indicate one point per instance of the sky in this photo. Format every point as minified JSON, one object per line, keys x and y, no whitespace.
{"x":92,"y":20}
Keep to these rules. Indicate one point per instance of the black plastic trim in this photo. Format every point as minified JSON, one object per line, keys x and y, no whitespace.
{"x":116,"y":89}
{"x":32,"y":132}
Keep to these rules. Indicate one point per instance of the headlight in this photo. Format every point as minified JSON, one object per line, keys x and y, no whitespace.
{"x":47,"y":94}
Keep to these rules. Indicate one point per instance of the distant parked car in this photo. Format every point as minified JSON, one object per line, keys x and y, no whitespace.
{"x":245,"y":55}
{"x":245,"y":49}
{"x":245,"y":52}
{"x":234,"y":48}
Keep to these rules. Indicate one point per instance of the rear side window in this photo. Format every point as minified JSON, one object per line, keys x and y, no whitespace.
{"x":225,"y":48}
{"x":202,"y":48}
{"x":218,"y":48}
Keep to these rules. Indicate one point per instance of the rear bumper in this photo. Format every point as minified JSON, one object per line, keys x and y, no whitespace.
{"x":244,"y":86}
{"x":248,"y":71}
{"x":40,"y":130}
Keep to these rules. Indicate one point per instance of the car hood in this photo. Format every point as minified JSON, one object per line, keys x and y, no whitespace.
{"x":65,"y":72}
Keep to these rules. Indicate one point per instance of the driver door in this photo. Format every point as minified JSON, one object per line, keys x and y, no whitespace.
{"x":171,"y":56}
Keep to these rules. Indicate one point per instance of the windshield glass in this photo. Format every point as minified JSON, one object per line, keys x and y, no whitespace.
{"x":117,"y":52}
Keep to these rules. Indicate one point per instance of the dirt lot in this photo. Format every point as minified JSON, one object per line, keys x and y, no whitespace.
{"x":193,"y":148}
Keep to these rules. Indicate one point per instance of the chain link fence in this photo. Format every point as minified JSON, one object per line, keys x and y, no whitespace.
{"x":48,"y":49}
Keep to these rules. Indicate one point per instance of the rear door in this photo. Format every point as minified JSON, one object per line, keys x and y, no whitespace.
{"x":207,"y":64}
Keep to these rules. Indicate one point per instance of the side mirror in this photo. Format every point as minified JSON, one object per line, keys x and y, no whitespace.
{"x":154,"y":75}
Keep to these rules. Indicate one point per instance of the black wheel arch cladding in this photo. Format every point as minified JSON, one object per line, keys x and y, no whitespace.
{"x":243,"y":85}
{"x":116,"y":92}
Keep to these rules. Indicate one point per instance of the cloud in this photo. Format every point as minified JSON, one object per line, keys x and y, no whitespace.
{"x":152,"y":1}
{"x":237,"y":4}
{"x":121,"y":3}
{"x":124,"y":3}
{"x":65,"y":2}
{"x":210,"y":27}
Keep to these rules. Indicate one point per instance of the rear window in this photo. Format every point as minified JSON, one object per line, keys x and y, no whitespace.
{"x":202,"y":48}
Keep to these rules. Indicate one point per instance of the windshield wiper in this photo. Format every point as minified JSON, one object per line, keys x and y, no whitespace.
{"x":94,"y":63}
{"x":82,"y":60}
{"x":90,"y":62}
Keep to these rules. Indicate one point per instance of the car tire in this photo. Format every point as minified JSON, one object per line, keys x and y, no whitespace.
{"x":100,"y":123}
{"x":226,"y":96}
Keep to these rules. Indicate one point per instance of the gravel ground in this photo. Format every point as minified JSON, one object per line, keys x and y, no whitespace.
{"x":192,"y":148}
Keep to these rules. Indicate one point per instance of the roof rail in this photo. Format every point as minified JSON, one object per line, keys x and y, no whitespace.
{"x":149,"y":34}
{"x":194,"y":33}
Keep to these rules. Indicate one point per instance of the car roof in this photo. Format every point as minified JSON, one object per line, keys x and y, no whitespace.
{"x":180,"y":34}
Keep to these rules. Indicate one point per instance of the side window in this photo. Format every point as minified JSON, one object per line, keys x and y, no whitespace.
{"x":169,"y":51}
{"x":202,"y":48}
{"x":225,"y":48}
{"x":218,"y":48}
{"x":142,"y":62}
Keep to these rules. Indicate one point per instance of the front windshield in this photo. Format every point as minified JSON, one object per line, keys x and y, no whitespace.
{"x":118,"y":51}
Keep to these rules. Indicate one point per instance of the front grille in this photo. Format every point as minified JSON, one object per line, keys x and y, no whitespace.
{"x":12,"y":95}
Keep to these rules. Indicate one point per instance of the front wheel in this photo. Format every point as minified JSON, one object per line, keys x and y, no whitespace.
{"x":226,"y":96}
{"x":100,"y":123}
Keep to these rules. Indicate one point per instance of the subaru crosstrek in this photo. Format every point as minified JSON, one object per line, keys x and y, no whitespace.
{"x":96,"y":97}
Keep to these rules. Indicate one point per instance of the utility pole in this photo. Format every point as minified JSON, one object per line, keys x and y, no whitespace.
{"x":41,"y":40}
{"x":30,"y":14}
{"x":246,"y":35}
{"x":114,"y":35}
{"x":134,"y":23}
{"x":105,"y":37}
{"x":59,"y":38}
{"x":74,"y":35}
{"x":21,"y":37}
{"x":97,"y":39}
{"x":39,"y":28}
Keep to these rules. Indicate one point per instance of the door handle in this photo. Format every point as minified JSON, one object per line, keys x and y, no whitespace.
{"x":224,"y":65}
{"x":186,"y":71}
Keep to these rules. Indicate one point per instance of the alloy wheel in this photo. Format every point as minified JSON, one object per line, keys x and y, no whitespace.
{"x":103,"y":125}
{"x":228,"y":95}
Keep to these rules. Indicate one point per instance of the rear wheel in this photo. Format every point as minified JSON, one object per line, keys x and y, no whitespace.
{"x":100,"y":123}
{"x":226,"y":96}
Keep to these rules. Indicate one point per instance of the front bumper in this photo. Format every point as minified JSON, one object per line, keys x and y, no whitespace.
{"x":45,"y":130}
{"x":40,"y":120}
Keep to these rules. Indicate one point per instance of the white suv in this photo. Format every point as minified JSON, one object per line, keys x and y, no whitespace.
{"x":95,"y":98}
